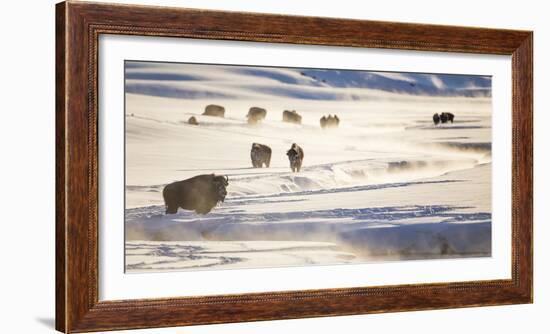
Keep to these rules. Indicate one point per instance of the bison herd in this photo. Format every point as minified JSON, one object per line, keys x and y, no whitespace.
{"x":257,"y":115}
{"x":203,"y":192}
{"x":261,"y":155}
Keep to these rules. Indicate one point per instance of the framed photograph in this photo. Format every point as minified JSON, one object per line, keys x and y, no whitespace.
{"x":223,"y":167}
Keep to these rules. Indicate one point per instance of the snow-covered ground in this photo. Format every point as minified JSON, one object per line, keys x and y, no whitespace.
{"x":387,"y":184}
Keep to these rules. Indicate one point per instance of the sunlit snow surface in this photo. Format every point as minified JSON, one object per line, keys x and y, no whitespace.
{"x":386,"y":185}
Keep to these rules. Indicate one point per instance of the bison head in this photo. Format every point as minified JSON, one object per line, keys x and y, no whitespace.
{"x":293,"y":155}
{"x":220,"y":184}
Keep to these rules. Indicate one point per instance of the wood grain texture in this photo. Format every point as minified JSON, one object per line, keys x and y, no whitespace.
{"x":522,"y":166}
{"x":60,"y":180}
{"x":78,"y":28}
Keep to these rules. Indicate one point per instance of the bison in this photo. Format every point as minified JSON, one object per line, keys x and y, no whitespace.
{"x":200,"y":193}
{"x":292,"y":117}
{"x":193,"y":121}
{"x":330,"y":121}
{"x":296,"y":157}
{"x":447,"y":116}
{"x":255,"y":115}
{"x":323,"y":122}
{"x":260,"y":155}
{"x":214,"y":110}
{"x":436,"y":119}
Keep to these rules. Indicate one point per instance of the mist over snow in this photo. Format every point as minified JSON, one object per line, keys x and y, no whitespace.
{"x":387,"y":184}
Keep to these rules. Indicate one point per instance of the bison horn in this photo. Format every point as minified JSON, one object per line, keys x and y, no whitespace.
{"x":226,"y":179}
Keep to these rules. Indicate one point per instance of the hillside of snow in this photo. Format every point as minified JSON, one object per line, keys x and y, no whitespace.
{"x":239,"y":82}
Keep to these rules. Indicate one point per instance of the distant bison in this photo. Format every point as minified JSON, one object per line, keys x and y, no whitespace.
{"x":296,"y":157}
{"x":193,"y":121}
{"x":436,"y":118}
{"x":330,"y":121}
{"x":292,"y":117}
{"x":446,"y":116}
{"x":260,"y":155}
{"x":214,"y":110}
{"x":255,"y":115}
{"x":200,"y":193}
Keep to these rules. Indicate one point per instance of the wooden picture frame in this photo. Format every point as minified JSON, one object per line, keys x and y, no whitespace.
{"x":78,"y":27}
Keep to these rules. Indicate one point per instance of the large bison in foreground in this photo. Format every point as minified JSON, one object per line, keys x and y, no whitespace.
{"x":255,"y":115}
{"x":296,"y":157}
{"x":200,"y":193}
{"x":214,"y":110}
{"x":292,"y":117}
{"x":260,"y":155}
